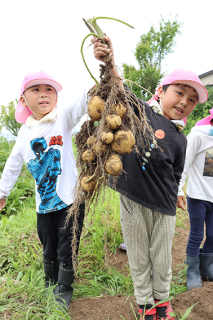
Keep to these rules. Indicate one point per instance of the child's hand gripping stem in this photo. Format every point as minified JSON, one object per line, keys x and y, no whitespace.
{"x":101,"y":50}
{"x":97,"y":33}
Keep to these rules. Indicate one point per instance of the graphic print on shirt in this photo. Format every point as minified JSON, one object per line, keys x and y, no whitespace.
{"x":45,"y":169}
{"x":56,"y":140}
{"x":208,"y":165}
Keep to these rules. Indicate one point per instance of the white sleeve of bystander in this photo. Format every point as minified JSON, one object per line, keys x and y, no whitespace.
{"x":11,"y":170}
{"x":193,"y":144}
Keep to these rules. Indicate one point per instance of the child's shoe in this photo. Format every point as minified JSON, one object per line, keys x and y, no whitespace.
{"x":149,"y":314}
{"x":51,"y":271}
{"x":206,"y":266}
{"x":163,"y":310}
{"x":63,"y":290}
{"x":123,"y":246}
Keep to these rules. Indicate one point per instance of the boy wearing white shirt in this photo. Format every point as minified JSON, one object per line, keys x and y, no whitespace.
{"x":199,"y":167}
{"x":44,"y":142}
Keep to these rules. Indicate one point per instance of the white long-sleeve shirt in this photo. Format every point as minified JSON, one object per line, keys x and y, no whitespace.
{"x":46,"y":147}
{"x":198,"y":165}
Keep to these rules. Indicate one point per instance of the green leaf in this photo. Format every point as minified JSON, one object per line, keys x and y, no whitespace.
{"x":186,"y":314}
{"x":19,"y":276}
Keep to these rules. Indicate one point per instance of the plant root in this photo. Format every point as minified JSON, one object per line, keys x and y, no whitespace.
{"x":112,"y":94}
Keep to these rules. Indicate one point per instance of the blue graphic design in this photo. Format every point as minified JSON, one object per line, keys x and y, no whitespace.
{"x":45,"y":169}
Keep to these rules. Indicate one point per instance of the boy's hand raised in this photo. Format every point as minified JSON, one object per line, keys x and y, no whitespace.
{"x":181,"y":202}
{"x":101,"y":49}
{"x":2,"y":204}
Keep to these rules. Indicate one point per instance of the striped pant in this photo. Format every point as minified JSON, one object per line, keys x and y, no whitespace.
{"x":148,"y":237}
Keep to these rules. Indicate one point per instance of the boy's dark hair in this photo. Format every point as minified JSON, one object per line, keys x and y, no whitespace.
{"x":165,"y":87}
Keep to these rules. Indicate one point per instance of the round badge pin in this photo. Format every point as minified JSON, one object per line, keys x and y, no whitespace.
{"x":160,"y":134}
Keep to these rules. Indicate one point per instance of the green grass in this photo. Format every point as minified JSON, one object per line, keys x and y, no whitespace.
{"x":181,"y":218}
{"x":22,"y":293}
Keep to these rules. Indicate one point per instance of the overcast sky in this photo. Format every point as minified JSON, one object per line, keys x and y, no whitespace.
{"x":47,"y":34}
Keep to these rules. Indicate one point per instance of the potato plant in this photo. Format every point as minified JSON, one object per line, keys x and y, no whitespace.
{"x":112,"y":131}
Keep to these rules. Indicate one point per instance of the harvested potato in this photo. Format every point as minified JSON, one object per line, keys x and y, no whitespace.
{"x":107,"y":136}
{"x":113,"y":121}
{"x":88,"y":156}
{"x":114,"y":165}
{"x":87,"y":186}
{"x":124,"y":141}
{"x":120,"y":109}
{"x":99,"y":148}
{"x":91,"y":141}
{"x":95,"y":108}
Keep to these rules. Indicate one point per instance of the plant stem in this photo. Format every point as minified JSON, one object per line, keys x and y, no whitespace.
{"x":114,"y":20}
{"x":92,"y":24}
{"x":97,"y":28}
{"x":90,"y":34}
{"x":139,"y":86}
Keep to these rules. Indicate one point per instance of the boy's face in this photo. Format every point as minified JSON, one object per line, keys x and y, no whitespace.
{"x":178,"y":101}
{"x":41,"y":99}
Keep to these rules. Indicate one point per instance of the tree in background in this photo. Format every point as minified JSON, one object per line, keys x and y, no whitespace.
{"x":150,"y":51}
{"x":201,"y":111}
{"x":7,"y":118}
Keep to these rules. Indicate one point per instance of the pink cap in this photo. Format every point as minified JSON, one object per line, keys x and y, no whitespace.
{"x":187,"y":77}
{"x":206,"y":120}
{"x":32,"y":79}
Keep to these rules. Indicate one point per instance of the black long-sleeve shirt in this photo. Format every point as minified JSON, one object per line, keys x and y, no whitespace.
{"x":156,"y":187}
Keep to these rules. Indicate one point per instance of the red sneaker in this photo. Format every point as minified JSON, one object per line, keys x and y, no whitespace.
{"x":149,"y":314}
{"x":163,"y":310}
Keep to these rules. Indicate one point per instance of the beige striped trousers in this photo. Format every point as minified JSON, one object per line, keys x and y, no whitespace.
{"x":148,"y":237}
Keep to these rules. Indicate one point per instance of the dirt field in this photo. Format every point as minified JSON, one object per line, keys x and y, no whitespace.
{"x":113,"y":307}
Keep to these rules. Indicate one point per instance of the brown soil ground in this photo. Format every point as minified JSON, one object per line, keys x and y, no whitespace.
{"x":121,"y":307}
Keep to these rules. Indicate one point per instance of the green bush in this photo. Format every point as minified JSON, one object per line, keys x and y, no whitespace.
{"x":5,"y":149}
{"x":7,"y":118}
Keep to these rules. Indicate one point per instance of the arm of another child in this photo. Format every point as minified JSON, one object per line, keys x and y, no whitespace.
{"x":193,"y":145}
{"x":181,"y":202}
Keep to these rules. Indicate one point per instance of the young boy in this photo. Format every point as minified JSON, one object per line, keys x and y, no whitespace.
{"x":199,"y":167}
{"x":148,"y":188}
{"x":44,"y":142}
